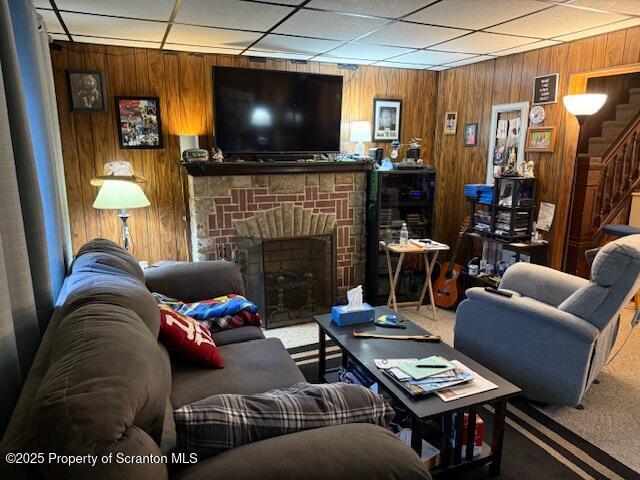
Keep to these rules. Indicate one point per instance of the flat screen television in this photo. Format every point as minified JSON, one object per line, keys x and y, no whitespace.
{"x":265,"y":111}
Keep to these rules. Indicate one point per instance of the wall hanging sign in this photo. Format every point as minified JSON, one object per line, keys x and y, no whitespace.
{"x":139,"y":122}
{"x":86,"y":91}
{"x":545,"y":89}
{"x":506,"y":138}
{"x":386,"y":119}
{"x":450,"y":123}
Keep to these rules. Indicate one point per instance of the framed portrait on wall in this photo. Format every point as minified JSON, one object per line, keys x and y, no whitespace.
{"x":450,"y":123}
{"x":541,"y":139}
{"x":470,"y":134}
{"x":138,"y":121}
{"x":86,"y":91}
{"x":387,"y":113}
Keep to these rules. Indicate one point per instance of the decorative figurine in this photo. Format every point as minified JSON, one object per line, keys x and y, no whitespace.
{"x":216,"y":155}
{"x":511,"y":170}
{"x":526,"y":169}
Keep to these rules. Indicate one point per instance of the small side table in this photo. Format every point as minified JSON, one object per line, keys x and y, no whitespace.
{"x":429,"y":263}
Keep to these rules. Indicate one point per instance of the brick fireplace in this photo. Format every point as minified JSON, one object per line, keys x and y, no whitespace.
{"x":220,"y":204}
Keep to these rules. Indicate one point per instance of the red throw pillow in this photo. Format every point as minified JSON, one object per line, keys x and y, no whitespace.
{"x":188,"y":338}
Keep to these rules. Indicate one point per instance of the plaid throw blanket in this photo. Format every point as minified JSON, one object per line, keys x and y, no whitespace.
{"x":220,"y":313}
{"x":221,"y":422}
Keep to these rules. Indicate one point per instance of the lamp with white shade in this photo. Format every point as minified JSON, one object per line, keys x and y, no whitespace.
{"x":360,"y":133}
{"x":580,"y":106}
{"x":120,"y":190}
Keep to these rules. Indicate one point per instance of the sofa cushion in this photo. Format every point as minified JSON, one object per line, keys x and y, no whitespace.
{"x":193,"y":281}
{"x":250,"y":367}
{"x":221,"y":422}
{"x":188,"y":338}
{"x":236,"y":335}
{"x":355,"y":451}
{"x":105,"y":252}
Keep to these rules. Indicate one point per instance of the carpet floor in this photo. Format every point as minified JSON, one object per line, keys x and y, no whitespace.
{"x":601,"y":441}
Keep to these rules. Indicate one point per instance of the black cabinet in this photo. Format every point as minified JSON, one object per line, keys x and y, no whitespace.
{"x":396,"y":197}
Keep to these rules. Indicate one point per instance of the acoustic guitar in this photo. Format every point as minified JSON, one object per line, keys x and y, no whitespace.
{"x":446,"y":286}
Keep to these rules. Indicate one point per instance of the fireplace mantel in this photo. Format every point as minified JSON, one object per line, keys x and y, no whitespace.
{"x":206,"y":169}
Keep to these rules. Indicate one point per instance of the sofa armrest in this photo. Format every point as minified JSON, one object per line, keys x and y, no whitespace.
{"x":194,"y":281}
{"x":541,"y":283}
{"x":343,"y":452}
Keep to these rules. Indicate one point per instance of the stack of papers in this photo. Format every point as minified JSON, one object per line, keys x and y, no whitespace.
{"x":427,"y":243}
{"x":426,"y":367}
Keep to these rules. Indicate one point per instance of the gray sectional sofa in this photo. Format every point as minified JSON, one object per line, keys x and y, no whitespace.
{"x":101,"y":384}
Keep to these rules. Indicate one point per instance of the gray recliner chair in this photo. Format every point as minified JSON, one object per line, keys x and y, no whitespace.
{"x":552,"y":337}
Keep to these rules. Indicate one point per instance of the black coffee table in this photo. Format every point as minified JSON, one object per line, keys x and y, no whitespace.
{"x":363,"y":351}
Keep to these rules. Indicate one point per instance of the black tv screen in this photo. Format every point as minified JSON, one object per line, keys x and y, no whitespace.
{"x":265,"y":111}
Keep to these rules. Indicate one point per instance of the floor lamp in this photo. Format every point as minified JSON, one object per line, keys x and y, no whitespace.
{"x":580,"y":106}
{"x":119,"y":195}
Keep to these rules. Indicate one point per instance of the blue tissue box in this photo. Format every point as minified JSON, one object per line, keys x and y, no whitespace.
{"x":342,"y":317}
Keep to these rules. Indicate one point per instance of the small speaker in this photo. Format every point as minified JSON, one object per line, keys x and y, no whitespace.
{"x":376,"y":153}
{"x":413,"y":153}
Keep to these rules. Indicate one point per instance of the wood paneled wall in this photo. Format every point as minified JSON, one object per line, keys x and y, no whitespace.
{"x":184,"y":84}
{"x":472,"y":90}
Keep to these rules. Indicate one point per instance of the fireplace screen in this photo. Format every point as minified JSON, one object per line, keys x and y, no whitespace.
{"x":291,"y":279}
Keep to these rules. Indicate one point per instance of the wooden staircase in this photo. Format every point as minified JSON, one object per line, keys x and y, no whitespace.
{"x":606,"y":176}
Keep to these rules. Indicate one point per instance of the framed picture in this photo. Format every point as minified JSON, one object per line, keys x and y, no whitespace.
{"x":139,"y":122}
{"x":506,"y":137}
{"x":86,"y":91}
{"x":470,"y":134}
{"x":386,"y":119}
{"x":541,"y":139}
{"x":450,"y":123}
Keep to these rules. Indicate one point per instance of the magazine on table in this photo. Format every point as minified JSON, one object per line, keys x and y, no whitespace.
{"x":430,"y":384}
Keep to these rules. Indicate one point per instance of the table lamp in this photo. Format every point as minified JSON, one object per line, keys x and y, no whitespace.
{"x":119,"y":190}
{"x":580,"y":106}
{"x":360,"y":133}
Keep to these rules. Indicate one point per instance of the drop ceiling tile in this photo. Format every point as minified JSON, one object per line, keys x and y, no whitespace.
{"x":330,"y":59}
{"x":334,"y":26}
{"x":481,"y":42}
{"x":556,"y":21}
{"x":284,"y":55}
{"x":431,"y":57}
{"x":405,"y":34}
{"x":413,"y":66}
{"x":284,"y":43}
{"x":475,"y":14}
{"x":145,"y":9}
{"x":51,"y":21}
{"x":211,"y":37}
{"x":115,"y":41}
{"x":110,"y":27}
{"x":201,"y":49}
{"x":624,"y":7}
{"x":42,"y":4}
{"x":379,"y":8}
{"x":367,"y":51}
{"x":632,"y":22}
{"x":467,"y":61}
{"x":527,"y":47}
{"x":232,"y":14}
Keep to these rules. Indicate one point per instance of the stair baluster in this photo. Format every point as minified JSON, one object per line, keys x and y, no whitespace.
{"x":622,"y":183}
{"x":632,"y":163}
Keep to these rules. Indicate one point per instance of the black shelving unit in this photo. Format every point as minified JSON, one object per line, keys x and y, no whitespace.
{"x":394,"y":197}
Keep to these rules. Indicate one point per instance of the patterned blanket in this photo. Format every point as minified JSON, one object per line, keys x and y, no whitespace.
{"x":220,"y":313}
{"x":221,"y":422}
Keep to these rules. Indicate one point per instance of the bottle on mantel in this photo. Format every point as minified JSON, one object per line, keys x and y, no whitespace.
{"x":404,"y":235}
